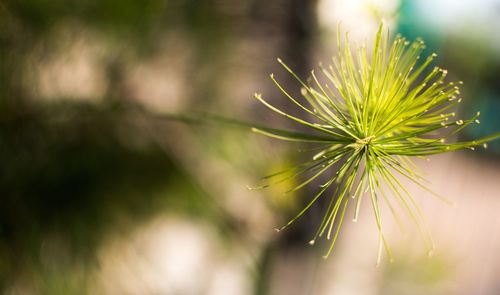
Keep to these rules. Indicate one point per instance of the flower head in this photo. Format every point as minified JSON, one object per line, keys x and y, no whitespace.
{"x":377,"y":110}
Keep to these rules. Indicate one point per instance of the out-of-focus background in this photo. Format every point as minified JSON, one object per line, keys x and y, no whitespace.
{"x":102,"y":192}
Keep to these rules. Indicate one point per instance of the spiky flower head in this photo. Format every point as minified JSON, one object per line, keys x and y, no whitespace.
{"x":377,"y":110}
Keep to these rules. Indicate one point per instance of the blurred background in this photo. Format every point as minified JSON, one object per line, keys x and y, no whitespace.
{"x":103,"y":192}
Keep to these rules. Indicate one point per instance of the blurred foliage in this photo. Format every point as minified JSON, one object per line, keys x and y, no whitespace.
{"x":74,"y":171}
{"x":134,"y":17}
{"x":42,"y":14}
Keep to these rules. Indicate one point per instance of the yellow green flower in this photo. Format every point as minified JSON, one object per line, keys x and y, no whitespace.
{"x":377,"y":111}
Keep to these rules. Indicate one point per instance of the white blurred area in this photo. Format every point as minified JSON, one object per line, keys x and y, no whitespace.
{"x":172,"y":255}
{"x":161,"y":82}
{"x":358,"y":17}
{"x":69,"y":67}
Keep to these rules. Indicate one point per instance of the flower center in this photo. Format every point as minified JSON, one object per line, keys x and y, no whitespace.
{"x":365,"y":141}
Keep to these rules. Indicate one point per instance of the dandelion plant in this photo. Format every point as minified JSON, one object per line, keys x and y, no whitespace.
{"x":378,"y":109}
